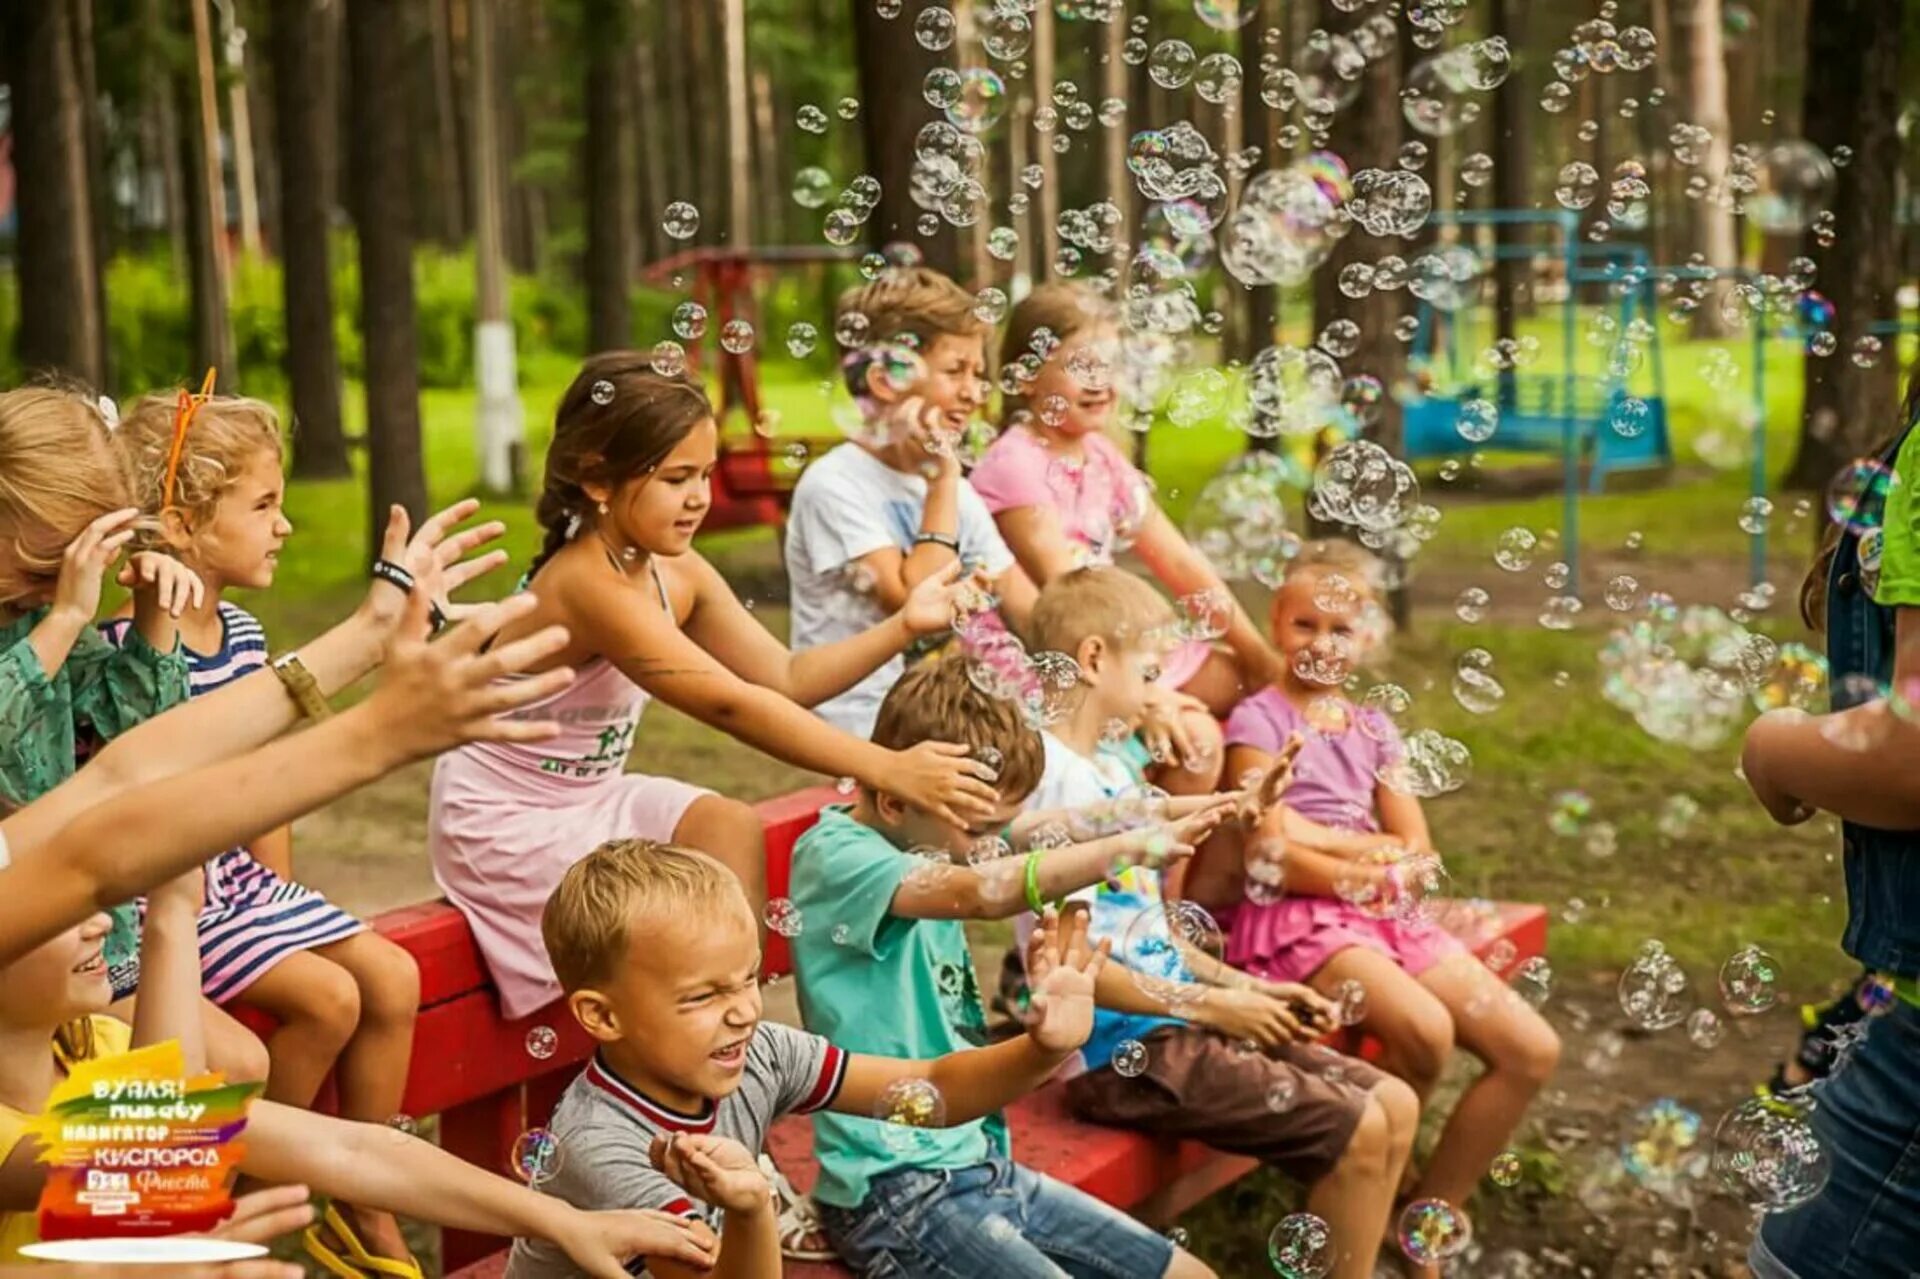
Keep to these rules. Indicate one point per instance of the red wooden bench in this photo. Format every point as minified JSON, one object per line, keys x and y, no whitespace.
{"x":474,"y":1069}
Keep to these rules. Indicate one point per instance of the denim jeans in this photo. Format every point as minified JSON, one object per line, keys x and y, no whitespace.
{"x":993,"y":1219}
{"x":1866,"y":1223}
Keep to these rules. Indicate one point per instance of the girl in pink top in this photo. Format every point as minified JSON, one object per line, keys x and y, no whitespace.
{"x":1065,"y":496}
{"x":1334,"y":861}
{"x":627,"y":484}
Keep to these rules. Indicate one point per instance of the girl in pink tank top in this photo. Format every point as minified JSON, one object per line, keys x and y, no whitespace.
{"x":627,"y":485}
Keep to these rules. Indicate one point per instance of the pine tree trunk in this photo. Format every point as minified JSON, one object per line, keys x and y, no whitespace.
{"x":1510,"y":170}
{"x":892,"y":68}
{"x":377,"y":146}
{"x":446,"y":127}
{"x":605,"y":164}
{"x":1047,"y":199}
{"x":87,"y":81}
{"x":59,"y":321}
{"x":500,"y":428}
{"x":157,"y":88}
{"x":1712,"y":214}
{"x":1853,"y":99}
{"x":212,"y":331}
{"x":1260,"y":307}
{"x":303,"y":116}
{"x":652,"y":113}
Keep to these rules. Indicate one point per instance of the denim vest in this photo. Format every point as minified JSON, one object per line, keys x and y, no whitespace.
{"x":1882,"y":866}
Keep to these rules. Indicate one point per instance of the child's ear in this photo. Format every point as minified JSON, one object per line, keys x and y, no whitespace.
{"x":891,"y":809}
{"x":594,"y":1012}
{"x":175,"y":531}
{"x":875,"y":377}
{"x":1091,"y":655}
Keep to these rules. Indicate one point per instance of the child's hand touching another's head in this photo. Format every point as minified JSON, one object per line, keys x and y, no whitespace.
{"x":713,"y":1169}
{"x":1061,"y":972}
{"x":936,"y":601}
{"x":83,"y":566}
{"x":158,"y":581}
{"x":606,"y":1244}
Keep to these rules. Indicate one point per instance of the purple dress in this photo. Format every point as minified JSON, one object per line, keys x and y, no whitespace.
{"x":1293,"y":937}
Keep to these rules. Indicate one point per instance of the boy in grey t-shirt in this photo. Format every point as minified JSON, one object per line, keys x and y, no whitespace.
{"x":660,"y":957}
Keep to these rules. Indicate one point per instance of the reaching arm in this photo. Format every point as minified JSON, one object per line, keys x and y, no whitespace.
{"x":433,"y":697}
{"x":1184,"y":571}
{"x":657,"y":656}
{"x":722,"y":626}
{"x":256,"y":709}
{"x":274,"y":850}
{"x":169,"y":1003}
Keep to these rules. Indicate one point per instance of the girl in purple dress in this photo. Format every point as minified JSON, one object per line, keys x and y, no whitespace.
{"x":1331,"y":879}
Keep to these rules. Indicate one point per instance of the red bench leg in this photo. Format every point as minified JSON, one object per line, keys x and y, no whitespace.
{"x":482,"y":1132}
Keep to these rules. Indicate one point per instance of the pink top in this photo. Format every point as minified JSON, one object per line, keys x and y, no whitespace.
{"x":1335,"y":775}
{"x":1099,"y":497}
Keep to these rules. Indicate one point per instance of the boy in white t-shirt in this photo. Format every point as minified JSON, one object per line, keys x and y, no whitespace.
{"x":877,"y":515}
{"x":1183,"y":1044}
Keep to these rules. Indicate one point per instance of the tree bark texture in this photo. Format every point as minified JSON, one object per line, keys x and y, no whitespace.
{"x":606,"y":165}
{"x":302,"y":115}
{"x":892,"y":67}
{"x":377,"y":147}
{"x":60,"y":320}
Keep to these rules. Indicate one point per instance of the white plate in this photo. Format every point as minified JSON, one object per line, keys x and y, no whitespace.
{"x":164,"y":1250}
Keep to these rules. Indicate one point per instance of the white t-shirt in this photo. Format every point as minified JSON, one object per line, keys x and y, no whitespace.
{"x":848,"y":504}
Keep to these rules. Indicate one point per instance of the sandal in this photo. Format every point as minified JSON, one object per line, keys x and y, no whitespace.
{"x":363,"y":1262}
{"x":802,"y":1237}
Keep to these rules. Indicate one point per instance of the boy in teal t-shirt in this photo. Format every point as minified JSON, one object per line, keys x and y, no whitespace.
{"x":882,"y":967}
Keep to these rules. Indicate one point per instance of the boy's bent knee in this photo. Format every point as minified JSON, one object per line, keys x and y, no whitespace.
{"x":1401,"y":1105}
{"x":1373,"y":1139}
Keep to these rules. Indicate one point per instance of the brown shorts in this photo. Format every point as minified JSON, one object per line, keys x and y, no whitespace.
{"x":1199,"y":1083}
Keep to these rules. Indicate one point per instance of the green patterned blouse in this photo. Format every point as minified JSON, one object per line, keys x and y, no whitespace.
{"x":100,"y":690}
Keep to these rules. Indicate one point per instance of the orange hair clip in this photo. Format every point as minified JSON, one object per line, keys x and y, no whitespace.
{"x":184,"y":412}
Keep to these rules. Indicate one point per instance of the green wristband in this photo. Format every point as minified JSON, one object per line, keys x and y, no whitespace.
{"x":1034,"y":902}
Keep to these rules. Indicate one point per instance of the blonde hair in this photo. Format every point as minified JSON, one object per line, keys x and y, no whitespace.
{"x":918,"y":303}
{"x":1063,"y":309}
{"x":227,"y":433}
{"x":587,"y":922}
{"x":937,"y":701}
{"x":58,"y":474}
{"x":1337,"y":555}
{"x":1110,"y":603}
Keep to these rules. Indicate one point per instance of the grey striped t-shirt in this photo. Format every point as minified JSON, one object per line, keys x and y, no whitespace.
{"x":604,"y":1127}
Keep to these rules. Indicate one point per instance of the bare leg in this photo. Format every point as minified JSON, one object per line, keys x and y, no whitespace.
{"x":730,"y":831}
{"x":1414,"y":1027}
{"x":1520,"y":1051}
{"x":318,"y":1006}
{"x":1355,"y":1199}
{"x":372,"y":1070}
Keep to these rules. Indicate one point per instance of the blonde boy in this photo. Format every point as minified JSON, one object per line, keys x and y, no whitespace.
{"x":1178,"y":1016}
{"x":883,"y":965}
{"x":879,"y":514}
{"x":660,"y":957}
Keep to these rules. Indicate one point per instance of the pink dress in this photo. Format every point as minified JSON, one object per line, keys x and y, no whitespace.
{"x":507,"y":819}
{"x":1100,"y":497}
{"x":1293,"y":937}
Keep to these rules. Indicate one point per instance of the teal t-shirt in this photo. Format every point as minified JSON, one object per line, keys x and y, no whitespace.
{"x":872,"y":982}
{"x":1899,"y":550}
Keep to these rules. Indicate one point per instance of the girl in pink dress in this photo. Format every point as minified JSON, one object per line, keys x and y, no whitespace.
{"x":627,"y":484}
{"x":1065,"y":496}
{"x":1326,"y":876}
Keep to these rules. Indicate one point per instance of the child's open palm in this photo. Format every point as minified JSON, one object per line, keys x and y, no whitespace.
{"x":717,"y":1170}
{"x":936,"y":600}
{"x":1061,"y":971}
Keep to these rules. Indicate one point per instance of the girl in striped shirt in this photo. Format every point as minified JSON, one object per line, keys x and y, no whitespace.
{"x":343,"y":995}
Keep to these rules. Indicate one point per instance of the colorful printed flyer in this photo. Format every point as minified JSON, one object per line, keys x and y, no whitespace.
{"x":140,"y":1155}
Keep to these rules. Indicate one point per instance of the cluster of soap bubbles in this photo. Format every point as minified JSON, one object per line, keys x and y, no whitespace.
{"x":1685,"y":675}
{"x":1659,"y":1146}
{"x":1766,"y":1152}
{"x":783,"y":917}
{"x":1361,"y":484}
{"x":1155,"y":941}
{"x":1653,"y":989}
{"x":1301,"y":1246}
{"x":1429,"y":764}
{"x":1041,"y":685}
{"x":1287,"y":221}
{"x":1431,"y":1231}
{"x":1239,"y":519}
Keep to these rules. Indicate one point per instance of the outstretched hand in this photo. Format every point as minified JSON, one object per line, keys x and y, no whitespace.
{"x":437,"y":556}
{"x":938,"y":599}
{"x":433,"y":697}
{"x":1061,"y":972}
{"x":1261,"y":792}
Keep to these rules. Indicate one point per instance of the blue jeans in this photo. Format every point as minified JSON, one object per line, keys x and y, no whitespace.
{"x":993,"y":1219}
{"x":1866,"y":1223}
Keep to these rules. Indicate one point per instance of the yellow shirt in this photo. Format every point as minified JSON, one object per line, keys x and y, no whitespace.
{"x":18,"y":1229}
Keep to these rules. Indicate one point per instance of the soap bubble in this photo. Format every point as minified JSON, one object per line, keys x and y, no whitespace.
{"x":1657,"y":1143}
{"x":1514,"y":551}
{"x":1479,"y":419}
{"x":1653,"y":989}
{"x":1577,"y":185}
{"x":1429,"y":765}
{"x":811,"y":119}
{"x":601,"y":392}
{"x":1474,"y":685}
{"x":668,"y":358}
{"x":542,"y":1042}
{"x":536,"y":1156}
{"x":1749,"y":981}
{"x":1704,"y":1028}
{"x":1794,"y":183}
{"x":690,"y":321}
{"x":906,"y":1106}
{"x":1171,"y":64}
{"x":1226,"y":15}
{"x":802,"y":337}
{"x":1767,"y":1153}
{"x":1505,"y":1170}
{"x":1857,"y":496}
{"x":1130,"y":1058}
{"x":681,"y":221}
{"x":1433,"y":1230}
{"x":1280,"y":1093}
{"x":736,"y":337}
{"x":783,"y":917}
{"x":981,"y":102}
{"x":1533,"y":980}
{"x":934,"y":29}
{"x":1152,"y":947}
{"x":1470,"y":606}
{"x":1301,"y":1247}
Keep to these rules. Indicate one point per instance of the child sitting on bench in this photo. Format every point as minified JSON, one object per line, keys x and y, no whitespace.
{"x":660,"y":956}
{"x":882,"y":966}
{"x":1169,"y":1049}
